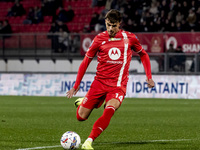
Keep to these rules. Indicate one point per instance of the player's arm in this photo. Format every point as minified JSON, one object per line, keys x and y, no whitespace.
{"x":144,"y":58}
{"x":147,"y":67}
{"x":91,"y":53}
{"x":81,"y":71}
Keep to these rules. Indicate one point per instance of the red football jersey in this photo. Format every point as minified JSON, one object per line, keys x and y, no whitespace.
{"x":114,"y":56}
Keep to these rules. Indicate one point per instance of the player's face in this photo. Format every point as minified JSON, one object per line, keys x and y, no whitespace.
{"x":112,"y":28}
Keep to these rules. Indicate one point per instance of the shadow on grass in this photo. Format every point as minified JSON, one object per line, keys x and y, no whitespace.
{"x":148,"y":142}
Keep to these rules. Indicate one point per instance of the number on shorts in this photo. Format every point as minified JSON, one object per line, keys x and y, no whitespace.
{"x":119,"y":97}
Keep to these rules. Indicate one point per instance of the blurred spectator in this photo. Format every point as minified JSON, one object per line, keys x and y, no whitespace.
{"x":158,"y":26}
{"x":198,"y":19}
{"x":34,"y":16}
{"x":30,"y":17}
{"x":179,"y":17}
{"x":129,"y":26}
{"x":75,"y":45}
{"x":166,"y":26}
{"x":6,"y":28}
{"x":86,"y":29}
{"x":38,"y":16}
{"x":65,"y":16}
{"x":137,"y":17}
{"x":94,"y":21}
{"x":184,"y":26}
{"x":16,"y":10}
{"x":164,"y":7}
{"x":53,"y":36}
{"x":179,"y":8}
{"x":172,"y":27}
{"x":62,"y":14}
{"x":194,"y":5}
{"x":191,"y":18}
{"x":10,"y":13}
{"x":180,"y":60}
{"x":178,"y":27}
{"x":152,"y":27}
{"x":195,"y":64}
{"x":171,"y":49}
{"x":164,"y":15}
{"x":59,"y":35}
{"x":62,"y":26}
{"x":108,"y":4}
{"x":144,"y":27}
{"x":185,"y":9}
{"x":100,"y":26}
{"x":54,"y":27}
{"x":153,"y":9}
{"x":70,"y":13}
{"x":94,"y":3}
{"x":63,"y":40}
{"x":172,"y":58}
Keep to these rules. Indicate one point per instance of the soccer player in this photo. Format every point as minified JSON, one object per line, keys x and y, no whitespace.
{"x":114,"y":51}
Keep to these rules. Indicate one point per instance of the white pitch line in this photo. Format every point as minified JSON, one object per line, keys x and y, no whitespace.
{"x":150,"y":141}
{"x":43,"y":147}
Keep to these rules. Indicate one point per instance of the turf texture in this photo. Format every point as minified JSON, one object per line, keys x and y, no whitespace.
{"x":140,"y":124}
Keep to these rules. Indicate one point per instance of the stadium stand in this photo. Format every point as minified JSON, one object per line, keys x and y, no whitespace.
{"x":139,"y":16}
{"x":82,"y":9}
{"x":160,"y":16}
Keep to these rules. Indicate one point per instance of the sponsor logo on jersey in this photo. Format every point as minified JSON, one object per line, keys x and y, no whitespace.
{"x":114,"y":53}
{"x":114,"y":39}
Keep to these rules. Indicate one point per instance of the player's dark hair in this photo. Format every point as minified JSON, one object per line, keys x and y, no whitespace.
{"x":113,"y":16}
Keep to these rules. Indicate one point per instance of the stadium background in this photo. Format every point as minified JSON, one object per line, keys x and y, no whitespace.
{"x":40,"y":53}
{"x":51,"y":37}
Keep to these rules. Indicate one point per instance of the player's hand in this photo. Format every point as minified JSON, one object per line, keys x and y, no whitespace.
{"x":150,"y":83}
{"x":72,"y":92}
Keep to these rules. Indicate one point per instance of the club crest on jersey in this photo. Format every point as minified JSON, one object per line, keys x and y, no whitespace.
{"x":114,"y":53}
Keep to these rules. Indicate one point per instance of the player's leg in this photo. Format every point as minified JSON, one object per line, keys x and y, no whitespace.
{"x":102,"y":123}
{"x":82,"y":113}
{"x":91,"y":100}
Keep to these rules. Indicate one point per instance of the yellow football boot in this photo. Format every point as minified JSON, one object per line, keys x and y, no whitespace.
{"x":87,"y":145}
{"x":78,"y":101}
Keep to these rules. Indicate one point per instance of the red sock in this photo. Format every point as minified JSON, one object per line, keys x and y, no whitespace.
{"x":101,"y":124}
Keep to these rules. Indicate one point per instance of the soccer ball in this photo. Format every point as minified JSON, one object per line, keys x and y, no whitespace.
{"x":70,"y":140}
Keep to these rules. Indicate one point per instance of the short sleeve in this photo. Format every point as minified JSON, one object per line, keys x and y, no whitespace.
{"x":93,"y":49}
{"x":135,"y":44}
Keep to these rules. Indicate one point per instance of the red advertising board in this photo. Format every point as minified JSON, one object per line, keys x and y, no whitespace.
{"x":157,"y":42}
{"x":86,"y":40}
{"x":190,"y":42}
{"x":152,"y":43}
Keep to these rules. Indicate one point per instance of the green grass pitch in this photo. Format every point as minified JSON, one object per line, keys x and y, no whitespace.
{"x":140,"y":124}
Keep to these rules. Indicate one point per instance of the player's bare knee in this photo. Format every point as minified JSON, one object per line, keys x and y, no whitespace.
{"x":80,"y":118}
{"x":82,"y":115}
{"x":113,"y":102}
